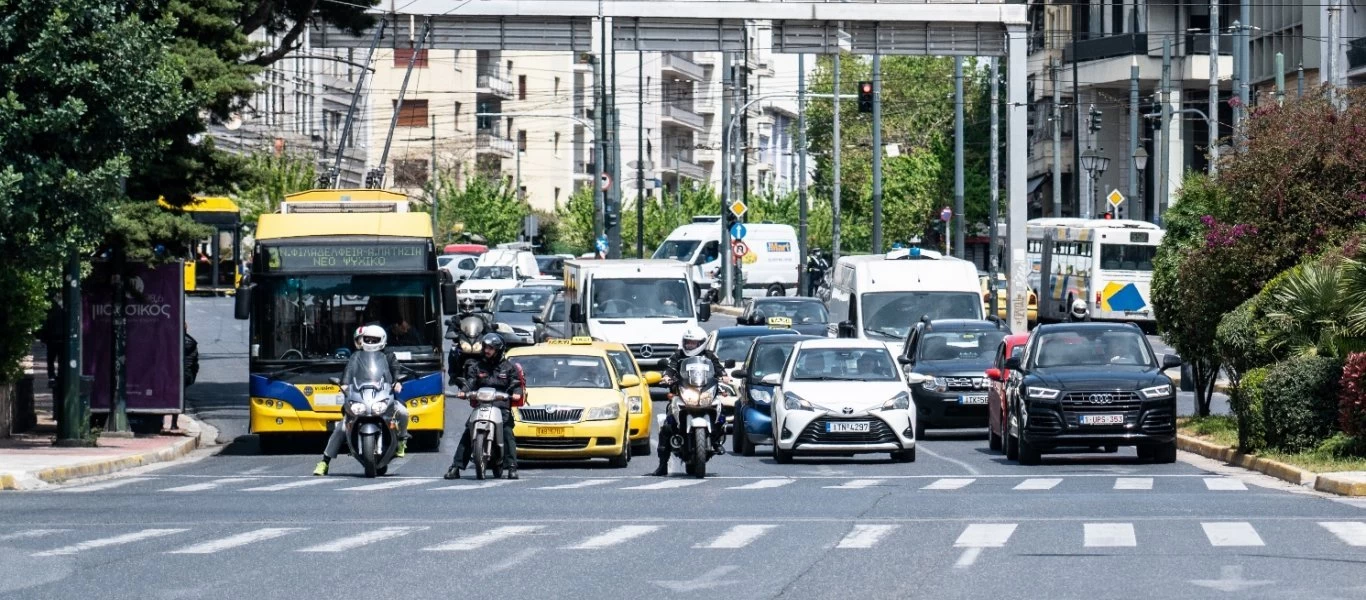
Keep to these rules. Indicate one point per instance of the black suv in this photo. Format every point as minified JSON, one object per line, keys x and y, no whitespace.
{"x":945,"y":362}
{"x":1090,"y":384}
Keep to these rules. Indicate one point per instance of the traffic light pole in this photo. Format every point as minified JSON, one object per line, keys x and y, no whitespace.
{"x":877,"y":153}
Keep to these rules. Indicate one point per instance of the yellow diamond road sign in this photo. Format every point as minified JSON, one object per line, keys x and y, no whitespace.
{"x":738,"y":208}
{"x":1115,"y":198}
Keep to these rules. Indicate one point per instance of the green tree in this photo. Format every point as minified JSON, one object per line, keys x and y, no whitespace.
{"x":272,"y":178}
{"x":485,"y":206}
{"x":576,"y":221}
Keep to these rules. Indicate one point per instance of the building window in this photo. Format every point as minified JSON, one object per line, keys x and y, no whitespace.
{"x":521,"y":140}
{"x":411,"y":172}
{"x":557,"y":144}
{"x":521,"y":87}
{"x":557,"y":87}
{"x":457,"y":116}
{"x":403,"y":55}
{"x":413,"y":113}
{"x":557,"y":197}
{"x":521,"y":193}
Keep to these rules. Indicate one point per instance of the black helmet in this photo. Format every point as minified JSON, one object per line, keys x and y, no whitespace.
{"x":494,"y":343}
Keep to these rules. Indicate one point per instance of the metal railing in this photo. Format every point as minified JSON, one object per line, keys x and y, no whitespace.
{"x":683,"y":115}
{"x":487,"y":140}
{"x":493,"y":83}
{"x":682,"y":65}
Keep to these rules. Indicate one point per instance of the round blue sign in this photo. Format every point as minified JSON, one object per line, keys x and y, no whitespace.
{"x":946,"y":215}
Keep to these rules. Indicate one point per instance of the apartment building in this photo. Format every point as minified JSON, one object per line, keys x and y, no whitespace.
{"x":1299,"y":30}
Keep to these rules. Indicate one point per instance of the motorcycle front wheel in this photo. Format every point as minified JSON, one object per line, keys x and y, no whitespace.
{"x":700,"y":443}
{"x":367,"y":455}
{"x":480,"y":459}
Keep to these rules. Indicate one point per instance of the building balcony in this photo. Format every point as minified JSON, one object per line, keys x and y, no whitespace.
{"x":682,"y":116}
{"x":1124,"y":44}
{"x":681,"y":66}
{"x":685,"y":168}
{"x":705,"y":105}
{"x":492,"y":84}
{"x":705,"y":156}
{"x":492,"y":142}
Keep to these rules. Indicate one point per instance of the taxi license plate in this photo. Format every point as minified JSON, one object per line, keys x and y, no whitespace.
{"x":327,"y":399}
{"x":855,"y":427}
{"x":973,"y":399}
{"x":1102,"y":419}
{"x":550,"y":431}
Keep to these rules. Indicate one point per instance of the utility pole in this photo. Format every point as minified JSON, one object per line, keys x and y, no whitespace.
{"x":1166,"y":128}
{"x":958,"y":219}
{"x":1245,"y":51}
{"x":351,"y":110}
{"x":1237,"y":81}
{"x":73,"y":422}
{"x":727,"y":89}
{"x":802,"y":284}
{"x":118,"y":401}
{"x":1214,"y":86}
{"x":1076,"y":111}
{"x":835,"y":195}
{"x":1057,"y":139}
{"x":614,"y":165}
{"x":1334,"y":8}
{"x":1299,"y":83}
{"x":600,"y":144}
{"x":994,"y":249}
{"x":1280,"y":79}
{"x":436,"y":190}
{"x":640,"y":154}
{"x":1134,"y":133}
{"x":877,"y":153}
{"x":398,"y":104}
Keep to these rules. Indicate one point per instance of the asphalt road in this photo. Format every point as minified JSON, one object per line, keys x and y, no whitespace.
{"x":961,"y":522}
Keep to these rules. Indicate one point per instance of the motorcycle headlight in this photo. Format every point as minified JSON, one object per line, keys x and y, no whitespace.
{"x":1040,"y":393}
{"x":938,"y":384}
{"x":605,"y":412}
{"x":689,"y":396}
{"x":792,"y":401}
{"x":636,"y":403}
{"x":1157,"y":391}
{"x":901,"y":401}
{"x":761,"y":396}
{"x":378,"y":407}
{"x":356,"y":408}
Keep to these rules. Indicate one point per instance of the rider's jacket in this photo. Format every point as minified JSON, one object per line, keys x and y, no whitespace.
{"x":504,"y":376}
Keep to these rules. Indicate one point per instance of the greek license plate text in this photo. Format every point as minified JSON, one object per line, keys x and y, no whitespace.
{"x":973,"y":399}
{"x":858,"y":427}
{"x":550,"y":431}
{"x":1102,"y":419}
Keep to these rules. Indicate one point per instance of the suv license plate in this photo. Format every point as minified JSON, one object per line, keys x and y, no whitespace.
{"x":973,"y":399}
{"x":550,"y":431}
{"x":1102,"y":419}
{"x":855,"y":427}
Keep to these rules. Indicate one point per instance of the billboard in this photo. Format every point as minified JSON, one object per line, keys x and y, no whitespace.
{"x":155,"y":317}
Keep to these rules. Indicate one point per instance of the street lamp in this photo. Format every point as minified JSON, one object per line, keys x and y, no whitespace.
{"x":1095,"y":164}
{"x":1141,"y":163}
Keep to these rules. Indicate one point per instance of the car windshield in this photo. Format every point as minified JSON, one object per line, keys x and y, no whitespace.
{"x":315,"y":316}
{"x":844,"y":364}
{"x":676,"y":249}
{"x":621,"y":361}
{"x":641,"y":299}
{"x":968,"y":348}
{"x":1126,"y":257}
{"x":550,"y":265}
{"x":1091,"y":348}
{"x":487,"y":272}
{"x":801,"y":313}
{"x":521,"y":301}
{"x":734,"y":348}
{"x":564,"y":371}
{"x":770,"y":358}
{"x":890,"y":314}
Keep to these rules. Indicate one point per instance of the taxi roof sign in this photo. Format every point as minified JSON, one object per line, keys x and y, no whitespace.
{"x":780,"y":322}
{"x":578,"y":340}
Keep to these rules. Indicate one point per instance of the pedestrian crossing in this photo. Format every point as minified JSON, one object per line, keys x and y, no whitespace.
{"x":969,"y":539}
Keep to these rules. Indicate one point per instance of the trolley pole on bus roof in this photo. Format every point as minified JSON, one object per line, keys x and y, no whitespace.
{"x":351,"y":110}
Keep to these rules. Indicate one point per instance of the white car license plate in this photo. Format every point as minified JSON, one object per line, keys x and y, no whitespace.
{"x":854,"y":427}
{"x":327,"y":399}
{"x":973,"y":399}
{"x":1102,"y":419}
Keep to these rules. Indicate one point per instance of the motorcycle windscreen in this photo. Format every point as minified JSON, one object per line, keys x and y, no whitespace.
{"x":472,"y":326}
{"x":370,"y":368}
{"x":697,"y":372}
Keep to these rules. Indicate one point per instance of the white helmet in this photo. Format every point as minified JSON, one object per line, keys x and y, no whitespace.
{"x":371,"y":338}
{"x":1079,"y":310}
{"x":693,"y":340}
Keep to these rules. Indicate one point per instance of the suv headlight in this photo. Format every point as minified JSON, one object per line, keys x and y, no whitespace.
{"x":637,"y":405}
{"x":901,"y":401}
{"x":605,"y":412}
{"x":938,"y":384}
{"x":1157,"y":391}
{"x":761,"y":396}
{"x":1042,"y":393}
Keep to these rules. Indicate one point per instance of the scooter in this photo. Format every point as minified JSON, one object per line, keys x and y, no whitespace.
{"x":693,"y":410}
{"x":486,"y":432}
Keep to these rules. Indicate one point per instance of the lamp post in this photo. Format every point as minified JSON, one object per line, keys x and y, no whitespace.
{"x":1095,"y":164}
{"x":1141,"y":163}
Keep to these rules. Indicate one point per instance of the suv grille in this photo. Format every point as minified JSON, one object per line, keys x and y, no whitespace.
{"x":965,"y":383}
{"x":815,"y":433}
{"x":1093,"y":402}
{"x":536,"y":414}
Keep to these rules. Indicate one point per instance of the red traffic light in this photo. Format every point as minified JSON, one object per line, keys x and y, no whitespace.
{"x":867,"y":88}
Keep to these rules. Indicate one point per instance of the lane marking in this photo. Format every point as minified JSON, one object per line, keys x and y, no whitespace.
{"x":615,"y":536}
{"x":985,"y":535}
{"x":574,"y":486}
{"x":30,"y":534}
{"x":864,"y":535}
{"x":966,"y":466}
{"x":478,"y":486}
{"x":763,"y":484}
{"x":479,"y":540}
{"x":949,"y":484}
{"x":968,"y":558}
{"x":209,"y":485}
{"x":1109,"y":535}
{"x":1134,"y":483}
{"x":738,"y":536}
{"x":514,"y":560}
{"x":234,"y":541}
{"x":387,"y":485}
{"x":363,"y":539}
{"x":667,"y":484}
{"x":1353,"y":533}
{"x":1039,"y":483}
{"x":107,"y":485}
{"x":127,"y":538}
{"x":288,"y":486}
{"x":1232,"y":534}
{"x":855,"y":484}
{"x":1225,"y":484}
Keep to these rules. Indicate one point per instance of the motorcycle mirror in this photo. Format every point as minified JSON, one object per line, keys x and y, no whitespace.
{"x":449,"y":302}
{"x":335,"y":380}
{"x":730,"y":363}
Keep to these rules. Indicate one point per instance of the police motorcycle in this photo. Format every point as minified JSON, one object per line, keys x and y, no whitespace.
{"x":693,"y":410}
{"x":368,"y":414}
{"x":486,"y":432}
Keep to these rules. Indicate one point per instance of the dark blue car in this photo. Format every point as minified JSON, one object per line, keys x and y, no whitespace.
{"x":807,"y":315}
{"x":753,"y":414}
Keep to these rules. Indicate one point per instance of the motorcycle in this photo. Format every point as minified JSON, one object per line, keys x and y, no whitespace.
{"x":467,"y":332}
{"x":368,"y":416}
{"x":693,"y":410}
{"x":486,"y":433}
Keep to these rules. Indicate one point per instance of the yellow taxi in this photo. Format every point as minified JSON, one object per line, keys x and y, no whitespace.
{"x":581,"y":402}
{"x":1003,"y":298}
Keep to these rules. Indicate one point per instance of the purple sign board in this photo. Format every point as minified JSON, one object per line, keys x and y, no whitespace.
{"x":155,"y":309}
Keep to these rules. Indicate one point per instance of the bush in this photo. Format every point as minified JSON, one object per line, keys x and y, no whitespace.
{"x":1238,"y":339}
{"x":1299,"y":402}
{"x":1352,"y":398}
{"x":1245,"y":399}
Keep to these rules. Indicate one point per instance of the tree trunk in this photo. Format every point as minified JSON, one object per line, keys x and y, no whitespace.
{"x":1206,"y":374}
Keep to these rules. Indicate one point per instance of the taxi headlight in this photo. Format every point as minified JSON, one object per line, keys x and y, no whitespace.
{"x":378,"y":407}
{"x":356,"y":408}
{"x":901,"y":401}
{"x":637,"y":405}
{"x":605,"y":412}
{"x":761,"y":396}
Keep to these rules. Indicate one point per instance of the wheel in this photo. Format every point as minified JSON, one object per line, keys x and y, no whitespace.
{"x":426,"y":441}
{"x":904,"y":456}
{"x":367,"y":454}
{"x":272,"y":444}
{"x":497,"y":470}
{"x":1145,"y":452}
{"x":1109,"y":449}
{"x":776,"y":289}
{"x":919,"y":430}
{"x":739,"y":444}
{"x":700,"y":444}
{"x":1011,"y":443}
{"x":781,"y":456}
{"x":382,"y":471}
{"x":621,"y":460}
{"x":480,"y":460}
{"x":1029,"y":455}
{"x":641,"y":448}
{"x":993,"y":440}
{"x":1165,"y":453}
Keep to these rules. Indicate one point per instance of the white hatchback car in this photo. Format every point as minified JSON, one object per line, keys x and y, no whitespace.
{"x":842,"y":396}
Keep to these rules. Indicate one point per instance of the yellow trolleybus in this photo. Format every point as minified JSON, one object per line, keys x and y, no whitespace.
{"x":213,"y":265}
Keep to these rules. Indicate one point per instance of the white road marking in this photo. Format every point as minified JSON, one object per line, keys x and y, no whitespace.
{"x":1353,"y":533}
{"x":966,"y":466}
{"x":968,"y":558}
{"x":208,"y":485}
{"x":387,"y":485}
{"x":855,"y":484}
{"x":117,"y":540}
{"x":514,"y":560}
{"x":865,"y":536}
{"x":478,"y":486}
{"x":477,"y":541}
{"x":1109,"y":535}
{"x":364,"y":539}
{"x":763,"y":484}
{"x":289,"y":486}
{"x":105,"y":485}
{"x":985,"y":535}
{"x":1134,"y":483}
{"x":615,"y":536}
{"x":667,"y":484}
{"x":738,"y":536}
{"x":1225,"y":484}
{"x":1232,"y":534}
{"x":234,"y":541}
{"x":1039,"y":483}
{"x":948,"y":484}
{"x":576,"y":485}
{"x":30,"y":534}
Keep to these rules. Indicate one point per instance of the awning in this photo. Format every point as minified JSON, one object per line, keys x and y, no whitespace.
{"x":1034,"y":183}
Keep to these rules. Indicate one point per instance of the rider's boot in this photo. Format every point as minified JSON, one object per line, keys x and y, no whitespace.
{"x":402,"y":449}
{"x":511,"y":472}
{"x":453,"y":472}
{"x":663,"y":469}
{"x":321,"y":469}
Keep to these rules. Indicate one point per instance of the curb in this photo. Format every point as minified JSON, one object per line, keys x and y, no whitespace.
{"x":1342,"y":484}
{"x":112,"y":465}
{"x":1230,"y":455}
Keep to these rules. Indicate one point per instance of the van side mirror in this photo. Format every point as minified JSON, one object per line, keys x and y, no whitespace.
{"x":449,"y":301}
{"x":994,"y":374}
{"x":846,"y":329}
{"x":703,"y":311}
{"x":739,"y":374}
{"x":576,"y":313}
{"x":1013,"y":363}
{"x":1170,"y":361}
{"x":241,"y":304}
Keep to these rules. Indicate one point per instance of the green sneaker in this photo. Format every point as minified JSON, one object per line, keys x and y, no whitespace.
{"x":321,"y":469}
{"x":402,"y":449}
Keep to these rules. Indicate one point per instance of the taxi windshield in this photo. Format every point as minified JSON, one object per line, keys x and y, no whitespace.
{"x":564,"y":371}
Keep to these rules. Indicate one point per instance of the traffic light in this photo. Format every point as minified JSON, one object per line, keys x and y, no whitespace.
{"x":611,"y":219}
{"x":1094,"y":122}
{"x":865,"y":96}
{"x":1109,"y":214}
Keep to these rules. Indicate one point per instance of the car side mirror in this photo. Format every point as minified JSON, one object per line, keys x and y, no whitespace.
{"x":241,"y":304}
{"x":1013,"y":363}
{"x":917,"y":378}
{"x":334,"y":381}
{"x":846,"y":329}
{"x":994,"y":374}
{"x":730,"y":363}
{"x":461,"y":280}
{"x":652,"y":377}
{"x":771,"y":379}
{"x":739,"y":374}
{"x":629,"y":381}
{"x":450,"y":303}
{"x":1171,"y":361}
{"x":538,"y":320}
{"x":703,"y":311}
{"x":905,"y":360}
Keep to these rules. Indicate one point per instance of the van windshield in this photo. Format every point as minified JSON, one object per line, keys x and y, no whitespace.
{"x":641,"y":299}
{"x":492,"y":273}
{"x":677,"y":250}
{"x":890,"y":314}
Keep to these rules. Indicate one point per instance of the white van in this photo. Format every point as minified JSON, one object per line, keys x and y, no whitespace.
{"x":881,"y":296}
{"x":645,"y":304}
{"x":498,"y":269}
{"x":770,"y":268}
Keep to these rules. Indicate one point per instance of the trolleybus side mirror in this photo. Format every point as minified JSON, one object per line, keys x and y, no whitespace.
{"x":241,"y":307}
{"x":449,"y":302}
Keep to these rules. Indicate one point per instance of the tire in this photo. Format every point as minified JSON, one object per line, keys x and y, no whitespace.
{"x":919,"y":430}
{"x":427,"y":441}
{"x":480,"y":461}
{"x":1165,"y":454}
{"x":382,"y":471}
{"x":700,"y":444}
{"x":904,"y":456}
{"x":739,"y":444}
{"x":1029,"y":455}
{"x":1109,"y":449}
{"x":621,"y":460}
{"x":776,"y":289}
{"x":367,"y":455}
{"x":781,"y":456}
{"x":641,"y":449}
{"x":1011,"y":443}
{"x":1145,"y":453}
{"x":497,"y":470}
{"x":993,"y":440}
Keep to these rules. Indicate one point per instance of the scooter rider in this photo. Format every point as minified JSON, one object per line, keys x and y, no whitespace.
{"x":492,"y":371}
{"x":370,"y":338}
{"x":694,"y":340}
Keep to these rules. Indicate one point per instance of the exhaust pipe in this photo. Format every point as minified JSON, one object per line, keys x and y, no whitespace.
{"x":676,"y":442}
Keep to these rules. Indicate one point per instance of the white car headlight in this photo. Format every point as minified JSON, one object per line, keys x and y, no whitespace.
{"x":378,"y":407}
{"x":792,"y":401}
{"x":605,"y":412}
{"x":356,"y":408}
{"x":636,"y":403}
{"x":761,"y":396}
{"x":901,"y":401}
{"x":1157,"y":391}
{"x":1040,"y":393}
{"x":938,"y":384}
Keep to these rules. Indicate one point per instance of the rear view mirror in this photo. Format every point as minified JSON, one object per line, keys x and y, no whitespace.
{"x":994,"y":374}
{"x":538,"y":320}
{"x":576,"y":313}
{"x":241,"y":304}
{"x":449,"y":302}
{"x":335,"y":380}
{"x":1170,"y":361}
{"x":739,"y":374}
{"x":652,"y":377}
{"x":704,"y":311}
{"x":730,"y":363}
{"x":905,"y":360}
{"x":772,"y":379}
{"x":403,"y":377}
{"x":846,"y":329}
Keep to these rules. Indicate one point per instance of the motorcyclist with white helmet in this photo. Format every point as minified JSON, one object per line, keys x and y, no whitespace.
{"x":1078,"y":312}
{"x":693,"y":344}
{"x":369,"y":338}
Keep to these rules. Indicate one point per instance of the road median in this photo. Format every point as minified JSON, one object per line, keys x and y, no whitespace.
{"x":1347,"y":483}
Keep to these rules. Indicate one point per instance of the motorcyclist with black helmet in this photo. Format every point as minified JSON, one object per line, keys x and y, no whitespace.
{"x":693,"y":344}
{"x":493,"y":370}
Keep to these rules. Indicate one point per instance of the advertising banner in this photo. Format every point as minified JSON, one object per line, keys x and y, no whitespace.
{"x":154,"y":307}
